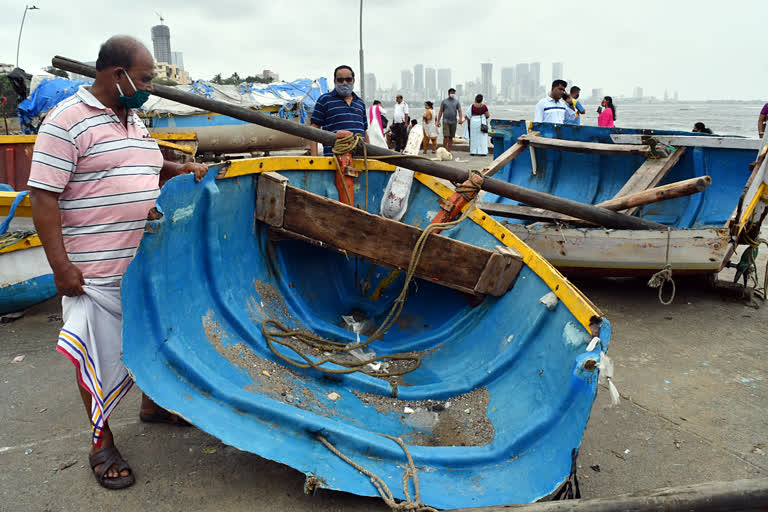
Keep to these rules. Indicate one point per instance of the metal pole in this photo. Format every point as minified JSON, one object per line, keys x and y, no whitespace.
{"x":362,"y":66}
{"x":589,"y":212}
{"x":18,"y":43}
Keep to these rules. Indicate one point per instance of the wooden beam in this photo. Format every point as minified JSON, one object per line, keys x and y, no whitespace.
{"x":328,"y":223}
{"x":656,"y":194}
{"x":524,"y":212}
{"x":650,"y":174}
{"x":583,"y":147}
{"x":696,"y":141}
{"x":737,"y":496}
{"x":510,"y":154}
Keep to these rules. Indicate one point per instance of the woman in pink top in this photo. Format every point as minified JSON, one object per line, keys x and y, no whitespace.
{"x":608,"y":115}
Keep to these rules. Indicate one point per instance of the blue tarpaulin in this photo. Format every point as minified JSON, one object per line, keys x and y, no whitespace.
{"x":45,"y":97}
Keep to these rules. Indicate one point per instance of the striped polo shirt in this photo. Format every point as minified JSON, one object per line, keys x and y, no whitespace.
{"x":333,"y":114}
{"x":107,"y":176}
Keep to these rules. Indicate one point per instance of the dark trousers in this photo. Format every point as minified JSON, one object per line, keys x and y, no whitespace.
{"x":398,"y":136}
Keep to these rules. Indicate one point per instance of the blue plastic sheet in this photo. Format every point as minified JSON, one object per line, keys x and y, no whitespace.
{"x":49,"y":93}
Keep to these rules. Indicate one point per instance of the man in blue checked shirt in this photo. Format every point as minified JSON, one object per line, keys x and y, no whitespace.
{"x":340,"y":109}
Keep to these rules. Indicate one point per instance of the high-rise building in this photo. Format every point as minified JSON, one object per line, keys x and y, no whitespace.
{"x":406,"y":80}
{"x":443,"y":81}
{"x":535,"y":78}
{"x":507,"y":82}
{"x":430,"y":83}
{"x":522,"y":77}
{"x":638,"y":92}
{"x":370,"y":86}
{"x":557,"y":71}
{"x":597,"y":94}
{"x":418,"y":77}
{"x":161,"y":43}
{"x":486,"y":80}
{"x":177,"y":59}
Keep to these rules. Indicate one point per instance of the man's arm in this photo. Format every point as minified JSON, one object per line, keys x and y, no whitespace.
{"x":570,"y":114}
{"x":538,"y":116}
{"x":761,"y":124}
{"x":460,"y":118}
{"x":45,"y":213}
{"x":439,"y":115}
{"x":580,"y":107}
{"x":173,"y":169}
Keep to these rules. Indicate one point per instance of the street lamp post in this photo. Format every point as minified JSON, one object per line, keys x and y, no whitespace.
{"x":362,"y":67}
{"x":18,"y":43}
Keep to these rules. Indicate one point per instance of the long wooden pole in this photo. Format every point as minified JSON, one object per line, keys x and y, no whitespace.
{"x":737,"y":496}
{"x":656,"y":194}
{"x":591,"y":213}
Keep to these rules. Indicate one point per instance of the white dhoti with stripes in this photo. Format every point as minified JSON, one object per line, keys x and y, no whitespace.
{"x":91,"y":339}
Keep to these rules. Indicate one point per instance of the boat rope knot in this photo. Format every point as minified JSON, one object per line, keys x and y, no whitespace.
{"x":410,"y":504}
{"x":657,"y":150}
{"x":747,"y":266}
{"x":472,"y":186}
{"x":660,"y":278}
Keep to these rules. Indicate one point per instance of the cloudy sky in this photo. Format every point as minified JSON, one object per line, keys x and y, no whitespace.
{"x":702,"y":48}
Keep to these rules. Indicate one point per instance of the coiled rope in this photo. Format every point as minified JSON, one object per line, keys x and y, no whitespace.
{"x":660,"y":278}
{"x":12,"y":237}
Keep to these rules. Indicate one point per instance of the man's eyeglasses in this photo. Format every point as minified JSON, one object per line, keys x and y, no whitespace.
{"x":349,"y":80}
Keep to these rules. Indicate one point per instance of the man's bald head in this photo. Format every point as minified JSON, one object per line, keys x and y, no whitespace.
{"x":122,"y":52}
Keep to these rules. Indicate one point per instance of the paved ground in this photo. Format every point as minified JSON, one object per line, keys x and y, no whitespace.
{"x":692,"y":379}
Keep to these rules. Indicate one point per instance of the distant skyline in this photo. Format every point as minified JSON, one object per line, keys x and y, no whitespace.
{"x":701,"y":51}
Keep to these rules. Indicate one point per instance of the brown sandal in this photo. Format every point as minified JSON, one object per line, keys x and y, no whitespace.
{"x":108,"y":457}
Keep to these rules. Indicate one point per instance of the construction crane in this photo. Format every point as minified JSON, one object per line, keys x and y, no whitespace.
{"x":160,"y":16}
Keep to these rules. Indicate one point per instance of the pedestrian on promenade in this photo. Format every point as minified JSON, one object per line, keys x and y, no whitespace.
{"x":762,"y":120}
{"x":340,"y":109}
{"x":553,"y":109}
{"x":700,"y":128}
{"x":608,"y":114}
{"x":400,"y":121}
{"x":576,"y":105}
{"x":94,"y":176}
{"x":376,"y":124}
{"x":477,"y":123}
{"x":450,"y":115}
{"x":430,"y":127}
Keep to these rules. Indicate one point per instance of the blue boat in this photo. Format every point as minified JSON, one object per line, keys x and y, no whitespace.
{"x":495,"y":410}
{"x":704,"y":228}
{"x":26,"y":278}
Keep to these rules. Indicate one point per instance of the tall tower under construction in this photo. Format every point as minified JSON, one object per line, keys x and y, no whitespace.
{"x":161,"y":43}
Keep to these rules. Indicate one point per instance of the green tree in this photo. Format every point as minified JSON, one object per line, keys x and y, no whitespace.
{"x":217,"y":79}
{"x":258,"y":79}
{"x":6,"y":90}
{"x":58,"y":72}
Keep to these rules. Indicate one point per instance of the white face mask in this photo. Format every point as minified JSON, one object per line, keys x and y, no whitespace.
{"x":452,"y":96}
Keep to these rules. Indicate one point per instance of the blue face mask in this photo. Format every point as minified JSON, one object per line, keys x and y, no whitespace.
{"x":344,"y":90}
{"x":137,"y":100}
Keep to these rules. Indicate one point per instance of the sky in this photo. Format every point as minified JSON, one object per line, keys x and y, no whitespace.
{"x":703,"y":49}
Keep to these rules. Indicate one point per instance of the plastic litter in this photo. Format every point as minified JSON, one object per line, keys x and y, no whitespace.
{"x":333,"y":396}
{"x":27,"y":451}
{"x":19,"y":358}
{"x":408,"y":410}
{"x":593,"y":344}
{"x":550,"y":300}
{"x":605,"y":365}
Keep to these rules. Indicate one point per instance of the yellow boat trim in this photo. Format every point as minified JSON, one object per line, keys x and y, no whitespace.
{"x":6,"y":199}
{"x":188,"y":136}
{"x":26,"y":243}
{"x":170,"y":145}
{"x":760,"y":195}
{"x":579,"y":305}
{"x":18,"y":139}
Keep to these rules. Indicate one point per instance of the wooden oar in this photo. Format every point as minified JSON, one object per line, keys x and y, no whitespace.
{"x":591,"y":213}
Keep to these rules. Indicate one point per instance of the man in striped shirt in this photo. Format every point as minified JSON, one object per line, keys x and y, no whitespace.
{"x":94,"y":176}
{"x":340,"y":109}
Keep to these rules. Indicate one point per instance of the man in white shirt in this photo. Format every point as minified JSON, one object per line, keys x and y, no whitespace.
{"x":400,"y":121}
{"x":553,"y":109}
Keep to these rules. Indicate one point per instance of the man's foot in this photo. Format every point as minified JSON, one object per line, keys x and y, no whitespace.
{"x":110,"y":469}
{"x":160,"y":415}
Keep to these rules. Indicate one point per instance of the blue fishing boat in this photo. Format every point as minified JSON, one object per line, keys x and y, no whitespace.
{"x":26,"y":278}
{"x":481,"y":388}
{"x":593,"y":165}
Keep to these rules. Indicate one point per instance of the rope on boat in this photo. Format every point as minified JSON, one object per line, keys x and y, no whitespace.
{"x":410,"y":504}
{"x":282,"y":332}
{"x":660,"y":278}
{"x":12,"y":237}
{"x":749,"y":262}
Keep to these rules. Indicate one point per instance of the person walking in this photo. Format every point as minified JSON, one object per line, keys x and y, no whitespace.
{"x":450,"y":115}
{"x":477,"y":123}
{"x":400,"y":121}
{"x":376,"y":124}
{"x":762,"y":119}
{"x":340,"y":109}
{"x":94,"y":176}
{"x":430,"y":127}
{"x":607,"y":113}
{"x":553,"y":109}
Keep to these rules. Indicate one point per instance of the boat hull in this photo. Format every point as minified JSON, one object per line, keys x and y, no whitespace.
{"x":26,"y":279}
{"x":207,"y":276}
